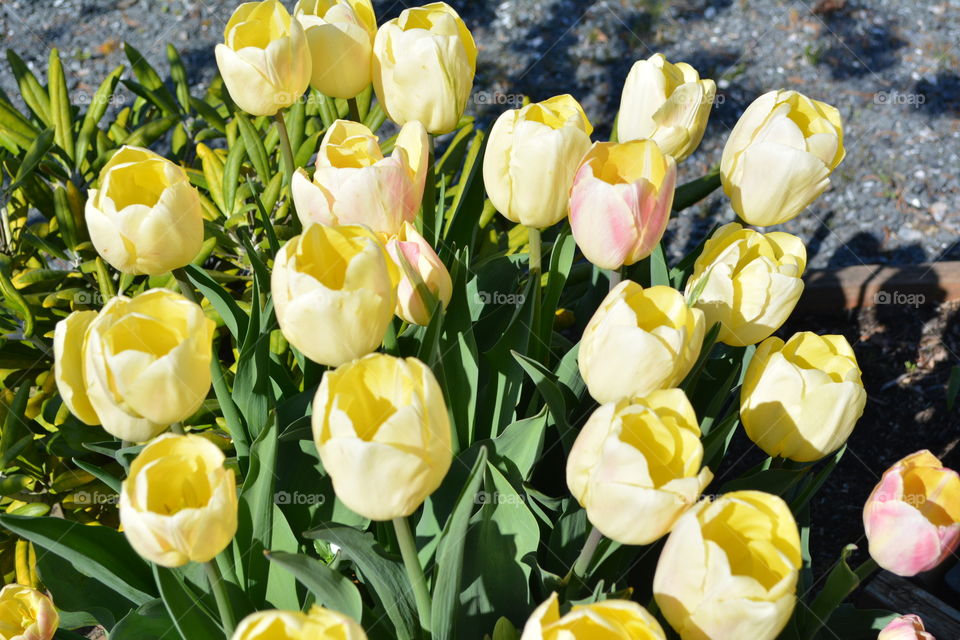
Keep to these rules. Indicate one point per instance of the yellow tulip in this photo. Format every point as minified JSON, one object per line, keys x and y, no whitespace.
{"x":801,"y":398}
{"x":667,"y":103}
{"x":334,"y":292}
{"x":779,"y":156}
{"x":729,"y":569}
{"x":413,"y":248}
{"x":748,"y":282}
{"x":264,"y":59}
{"x":635,"y":466}
{"x":620,"y":201}
{"x":423,"y":67}
{"x":912,"y":517}
{"x":382,"y":431}
{"x":531,"y":158}
{"x":355,"y":184}
{"x":179,"y":503}
{"x":26,"y":614}
{"x":638,"y":341}
{"x":608,"y":619}
{"x":340,"y":35}
{"x":69,"y":337}
{"x":146,"y":216}
{"x":138,"y":366}
{"x":317,"y":624}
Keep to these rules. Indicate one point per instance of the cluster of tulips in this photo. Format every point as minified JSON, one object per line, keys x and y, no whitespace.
{"x":729,"y":567}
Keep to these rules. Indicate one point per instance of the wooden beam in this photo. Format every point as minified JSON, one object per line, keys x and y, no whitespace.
{"x":830,"y":290}
{"x":903,"y":596}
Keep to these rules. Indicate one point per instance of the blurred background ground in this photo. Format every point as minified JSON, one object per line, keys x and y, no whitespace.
{"x":890,"y":66}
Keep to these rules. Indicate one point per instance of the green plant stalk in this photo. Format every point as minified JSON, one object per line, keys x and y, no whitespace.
{"x":615,"y":276}
{"x":285,"y":147}
{"x":215,"y":578}
{"x":536,"y":272}
{"x":586,"y":554}
{"x":177,"y":428}
{"x":429,"y":197}
{"x":353,"y":110}
{"x":408,"y":549}
{"x":183,"y":281}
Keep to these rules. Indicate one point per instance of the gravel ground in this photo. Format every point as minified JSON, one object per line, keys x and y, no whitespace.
{"x":890,"y":66}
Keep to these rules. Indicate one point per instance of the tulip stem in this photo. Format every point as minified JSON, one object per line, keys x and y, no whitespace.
{"x":177,"y":428}
{"x":183,"y":281}
{"x":615,"y":276}
{"x":586,"y":554}
{"x":285,"y":147}
{"x":408,"y":549}
{"x":536,"y":270}
{"x":215,"y":578}
{"x":353,"y":110}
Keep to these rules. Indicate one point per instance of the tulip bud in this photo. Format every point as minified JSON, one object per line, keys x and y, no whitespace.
{"x":317,"y":624}
{"x":801,"y":398}
{"x":340,"y":36}
{"x":780,"y":155}
{"x":264,"y":60}
{"x":138,"y":366}
{"x":909,"y":627}
{"x":355,"y":184}
{"x":423,"y":67}
{"x":531,"y":158}
{"x":382,"y":431}
{"x":729,"y":568}
{"x":334,"y":292}
{"x":607,"y":619}
{"x":26,"y":614}
{"x":179,"y":503}
{"x":413,"y":248}
{"x":912,"y":518}
{"x":635,"y":466}
{"x":639,"y":340}
{"x":620,"y":201}
{"x":667,"y":103}
{"x":748,"y":282}
{"x":146,"y":216}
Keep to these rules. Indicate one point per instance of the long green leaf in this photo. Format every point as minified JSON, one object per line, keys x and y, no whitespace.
{"x":60,"y":107}
{"x":188,"y":614}
{"x":330,"y":588}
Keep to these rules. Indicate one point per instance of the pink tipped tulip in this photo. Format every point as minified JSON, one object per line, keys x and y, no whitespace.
{"x":908,"y":627}
{"x":620,"y":201}
{"x":912,"y":518}
{"x":426,"y":266}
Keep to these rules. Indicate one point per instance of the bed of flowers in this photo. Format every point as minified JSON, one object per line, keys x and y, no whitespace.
{"x":274,"y":368}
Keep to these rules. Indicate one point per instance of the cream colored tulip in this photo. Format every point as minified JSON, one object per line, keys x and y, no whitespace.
{"x":340,"y":35}
{"x":608,"y":619}
{"x":334,"y":291}
{"x":382,"y":431}
{"x":411,"y":247}
{"x":531,"y":158}
{"x":801,"y":398}
{"x":620,"y":201}
{"x":912,"y":517}
{"x":317,"y":624}
{"x":264,"y":59}
{"x":179,"y":503}
{"x":355,"y":184}
{"x":635,"y":466}
{"x":729,"y":569}
{"x":26,"y":614}
{"x":667,"y":103}
{"x":146,"y":216}
{"x":748,"y":282}
{"x":423,"y":67}
{"x":69,"y":336}
{"x":137,"y":367}
{"x":779,"y":156}
{"x":639,"y":340}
